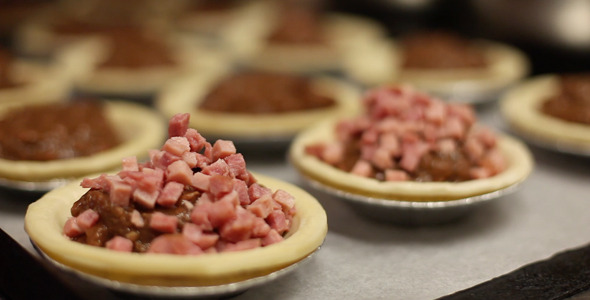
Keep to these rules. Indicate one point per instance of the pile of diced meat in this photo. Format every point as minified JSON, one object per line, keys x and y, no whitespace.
{"x":408,"y":135}
{"x":191,"y":197}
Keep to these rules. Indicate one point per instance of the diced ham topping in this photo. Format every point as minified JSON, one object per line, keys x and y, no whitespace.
{"x":193,"y":197}
{"x":119,"y":243}
{"x":400,"y":128}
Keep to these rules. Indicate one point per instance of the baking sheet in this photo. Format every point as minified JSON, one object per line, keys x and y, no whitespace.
{"x":363,"y":259}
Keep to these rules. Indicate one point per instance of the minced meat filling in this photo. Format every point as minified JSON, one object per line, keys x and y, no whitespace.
{"x":441,"y":50}
{"x":56,"y":131}
{"x":264,"y":93}
{"x":573,"y":102}
{"x":298,"y":25}
{"x":115,"y":220}
{"x":5,"y":61}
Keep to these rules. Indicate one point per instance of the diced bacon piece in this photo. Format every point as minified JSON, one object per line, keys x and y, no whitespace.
{"x":278,"y":221}
{"x":180,"y":172}
{"x":315,"y":150}
{"x":362,"y":168}
{"x":163,"y":223}
{"x":178,"y":124}
{"x":174,"y":244}
{"x":390,"y":142}
{"x":163,"y":159}
{"x":412,"y":154}
{"x":494,"y":161}
{"x":474,"y":149}
{"x":100,"y":183}
{"x":242,"y":245}
{"x":151,"y":180}
{"x":200,"y":215}
{"x":196,"y":235}
{"x":256,"y":191}
{"x":446,"y":146}
{"x":223,"y":148}
{"x":145,"y":198}
{"x":120,"y":193}
{"x":262,"y":207}
{"x":71,"y":228}
{"x":137,"y":219}
{"x":239,"y":228}
{"x":220,"y":185}
{"x":190,"y":158}
{"x":87,"y":219}
{"x":396,"y":175}
{"x":130,"y":163}
{"x":435,"y":112}
{"x":479,"y":172}
{"x":195,"y":139}
{"x":271,"y":238}
{"x":119,"y":243}
{"x":208,"y":152}
{"x":176,"y":145}
{"x":463,"y":111}
{"x":237,"y":165}
{"x":286,"y":200}
{"x":242,"y":190}
{"x":333,"y":153}
{"x":382,"y":159}
{"x":170,"y":194}
{"x":484,"y":135}
{"x":367,"y":151}
{"x":219,"y":167}
{"x":221,"y":212}
{"x":201,"y":181}
{"x":260,"y":229}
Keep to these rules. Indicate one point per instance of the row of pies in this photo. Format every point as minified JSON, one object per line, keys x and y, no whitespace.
{"x":129,"y":51}
{"x":402,"y":145}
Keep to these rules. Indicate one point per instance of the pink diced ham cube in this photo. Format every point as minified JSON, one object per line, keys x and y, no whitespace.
{"x":396,"y":175}
{"x":87,"y":219}
{"x":242,"y":245}
{"x":119,"y":243}
{"x":221,"y":212}
{"x":195,"y":139}
{"x":180,"y":172}
{"x":278,"y":221}
{"x":333,"y":153}
{"x":220,"y":185}
{"x":256,"y":191}
{"x":262,"y":207}
{"x":163,"y":223}
{"x":178,"y":124}
{"x":71,"y":228}
{"x":362,"y":168}
{"x":145,"y":198}
{"x":174,"y":244}
{"x":137,"y":219}
{"x":223,"y":148}
{"x":219,"y":167}
{"x":286,"y":200}
{"x":240,"y":228}
{"x":170,"y":194}
{"x":271,"y":238}
{"x":120,"y":193}
{"x":196,"y":235}
{"x":130,"y":164}
{"x":201,"y":181}
{"x":177,"y":145}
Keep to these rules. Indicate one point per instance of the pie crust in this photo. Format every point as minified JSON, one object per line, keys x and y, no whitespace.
{"x":521,"y":109}
{"x":83,"y":56}
{"x":507,"y":65}
{"x":42,"y":84}
{"x":186,"y":94}
{"x":519,"y":159}
{"x":46,"y":217}
{"x":139,"y":127}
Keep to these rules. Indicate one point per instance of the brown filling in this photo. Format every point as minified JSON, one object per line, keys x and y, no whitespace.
{"x":298,"y":25}
{"x":55,"y":131}
{"x":116,"y":220}
{"x":573,"y":102}
{"x":264,"y":93}
{"x":440,"y":50}
{"x":453,"y":167}
{"x":133,"y":48}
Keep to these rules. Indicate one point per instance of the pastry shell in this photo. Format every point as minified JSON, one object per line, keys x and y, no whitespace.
{"x":521,"y":109}
{"x":186,"y":94}
{"x":139,"y":127}
{"x":519,"y":159}
{"x":507,"y":65}
{"x":46,"y":217}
